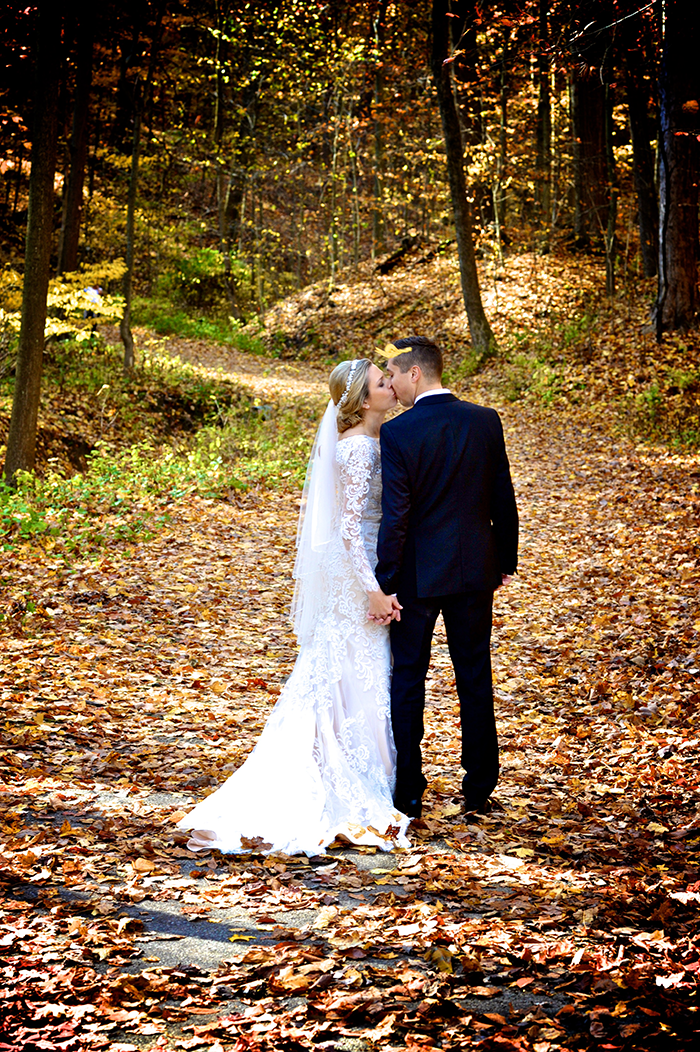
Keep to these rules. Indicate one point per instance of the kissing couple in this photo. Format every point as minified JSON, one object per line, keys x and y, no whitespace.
{"x":399,"y":522}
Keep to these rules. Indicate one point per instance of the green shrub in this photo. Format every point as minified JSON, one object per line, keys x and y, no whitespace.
{"x":122,"y":495}
{"x":126,"y":494}
{"x":159,"y":315}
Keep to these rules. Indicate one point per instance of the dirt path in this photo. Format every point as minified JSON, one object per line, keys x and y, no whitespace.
{"x":268,"y":378}
{"x":562,"y":920}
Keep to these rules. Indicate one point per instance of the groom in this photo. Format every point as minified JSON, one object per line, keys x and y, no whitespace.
{"x":448,"y":539}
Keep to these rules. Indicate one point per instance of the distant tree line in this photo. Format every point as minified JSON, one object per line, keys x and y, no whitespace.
{"x":231,"y":151}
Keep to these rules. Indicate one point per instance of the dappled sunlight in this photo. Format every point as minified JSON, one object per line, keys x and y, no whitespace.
{"x":145,"y":671}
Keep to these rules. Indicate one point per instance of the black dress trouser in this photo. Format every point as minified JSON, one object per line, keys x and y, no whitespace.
{"x":467,"y":618}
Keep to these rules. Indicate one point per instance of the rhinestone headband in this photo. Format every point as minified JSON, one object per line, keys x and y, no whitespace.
{"x":344,"y":396}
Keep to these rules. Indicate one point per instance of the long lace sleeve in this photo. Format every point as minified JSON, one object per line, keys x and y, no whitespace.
{"x":356,"y":465}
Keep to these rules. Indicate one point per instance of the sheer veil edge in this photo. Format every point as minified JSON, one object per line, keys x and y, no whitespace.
{"x":319,"y":518}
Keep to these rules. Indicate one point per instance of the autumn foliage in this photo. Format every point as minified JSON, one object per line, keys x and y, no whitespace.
{"x":139,"y":674}
{"x":292,"y":210}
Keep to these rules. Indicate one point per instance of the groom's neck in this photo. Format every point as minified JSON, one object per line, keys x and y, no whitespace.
{"x":423,"y":386}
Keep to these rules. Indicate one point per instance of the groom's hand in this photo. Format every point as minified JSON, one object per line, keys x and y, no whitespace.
{"x":383,"y":608}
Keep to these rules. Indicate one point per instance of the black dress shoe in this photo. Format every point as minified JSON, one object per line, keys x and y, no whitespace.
{"x":412,"y":808}
{"x":480,"y":807}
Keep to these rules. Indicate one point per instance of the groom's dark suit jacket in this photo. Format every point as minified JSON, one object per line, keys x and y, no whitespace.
{"x":449,"y":519}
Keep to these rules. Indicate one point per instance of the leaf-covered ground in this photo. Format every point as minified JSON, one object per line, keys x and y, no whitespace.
{"x":137,"y":681}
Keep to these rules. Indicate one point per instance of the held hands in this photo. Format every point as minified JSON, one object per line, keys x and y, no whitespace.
{"x":383,"y":608}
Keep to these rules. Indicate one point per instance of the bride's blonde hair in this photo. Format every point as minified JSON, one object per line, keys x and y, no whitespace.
{"x":349,"y":391}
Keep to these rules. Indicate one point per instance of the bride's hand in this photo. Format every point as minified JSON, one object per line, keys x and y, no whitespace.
{"x":383,"y":608}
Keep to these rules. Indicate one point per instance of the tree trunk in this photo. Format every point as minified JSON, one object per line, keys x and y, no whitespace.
{"x":543,"y":163}
{"x":127,"y":281}
{"x":483,"y":340}
{"x":499,"y":189}
{"x":462,"y":38}
{"x":679,"y":169}
{"x":232,"y":177}
{"x":225,"y":193}
{"x":140,"y":97}
{"x":463,"y":21}
{"x":378,"y":231}
{"x":588,"y":105}
{"x":128,"y":49}
{"x":21,"y":440}
{"x":560,"y":134}
{"x":612,"y":191}
{"x":19,"y":159}
{"x":333,"y":224}
{"x":69,"y":237}
{"x":642,"y":162}
{"x":611,"y":244}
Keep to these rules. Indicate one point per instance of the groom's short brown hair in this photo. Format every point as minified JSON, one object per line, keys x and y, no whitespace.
{"x":419,"y":350}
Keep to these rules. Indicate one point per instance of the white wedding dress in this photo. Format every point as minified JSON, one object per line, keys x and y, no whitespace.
{"x":323,"y":767}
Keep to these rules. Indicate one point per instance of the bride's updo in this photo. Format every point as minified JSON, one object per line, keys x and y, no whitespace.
{"x":349,"y":386}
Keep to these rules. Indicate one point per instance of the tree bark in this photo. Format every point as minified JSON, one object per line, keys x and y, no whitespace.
{"x":463,"y":40}
{"x":69,"y":237}
{"x":543,"y":163}
{"x":378,"y":231}
{"x":483,"y":339}
{"x":679,"y":169}
{"x":140,"y":95}
{"x":128,"y":50}
{"x":21,"y":440}
{"x":128,"y":280}
{"x":612,"y":194}
{"x":642,"y":162}
{"x":588,"y":98}
{"x":499,"y":189}
{"x":19,"y":160}
{"x":225,"y":194}
{"x":464,"y":18}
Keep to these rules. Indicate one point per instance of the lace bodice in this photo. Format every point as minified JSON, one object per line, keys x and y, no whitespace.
{"x":359,"y":468}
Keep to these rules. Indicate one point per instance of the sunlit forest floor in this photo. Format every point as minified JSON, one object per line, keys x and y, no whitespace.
{"x":138,"y":678}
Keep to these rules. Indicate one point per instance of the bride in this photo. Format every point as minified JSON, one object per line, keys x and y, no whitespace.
{"x":323,"y":767}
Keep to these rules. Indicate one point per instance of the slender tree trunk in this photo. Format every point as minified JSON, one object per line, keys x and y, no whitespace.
{"x":543,"y":163}
{"x":128,"y":279}
{"x":588,"y":107}
{"x":642,"y":162}
{"x":679,"y":170}
{"x":139,"y":104}
{"x":463,"y":21}
{"x":225,"y":197}
{"x":69,"y":237}
{"x":483,"y":339}
{"x":378,"y":231}
{"x":499,"y":194}
{"x":559,"y":134}
{"x":611,"y":226}
{"x":96,"y":143}
{"x":19,"y":159}
{"x":21,"y":440}
{"x":333,"y":226}
{"x":463,"y":40}
{"x":611,"y":244}
{"x":356,"y":218}
{"x":128,"y":50}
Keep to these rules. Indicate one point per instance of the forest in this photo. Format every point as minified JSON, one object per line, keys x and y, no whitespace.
{"x":201,"y":163}
{"x":204,"y":207}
